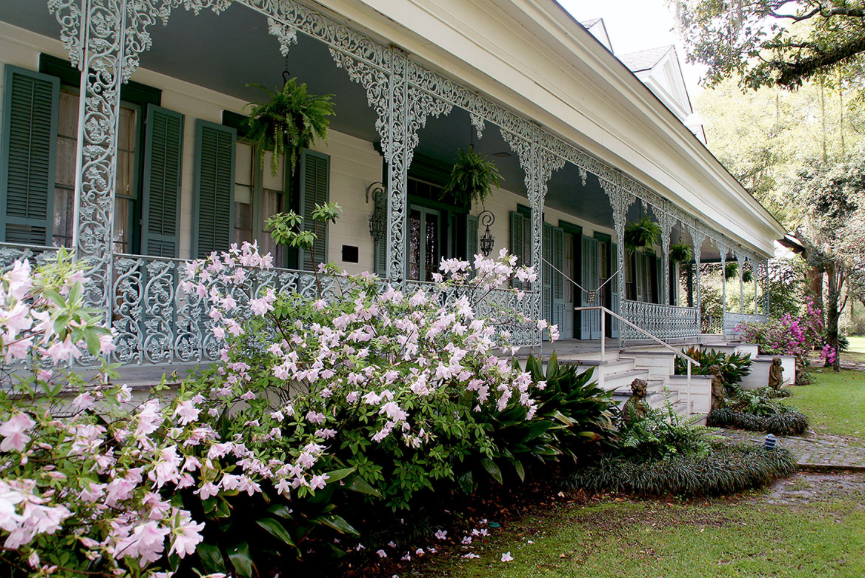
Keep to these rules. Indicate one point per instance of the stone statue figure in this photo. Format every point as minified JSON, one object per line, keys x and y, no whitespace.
{"x":636,"y":408}
{"x":776,"y":374}
{"x":717,"y":387}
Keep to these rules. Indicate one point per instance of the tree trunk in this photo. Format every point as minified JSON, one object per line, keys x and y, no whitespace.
{"x":833,"y":311}
{"x":815,"y":286}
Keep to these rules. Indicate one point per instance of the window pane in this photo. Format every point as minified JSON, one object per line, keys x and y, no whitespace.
{"x":432,"y":245}
{"x":243,"y":164}
{"x":64,"y":173}
{"x":242,"y":222}
{"x":64,"y":211}
{"x":274,"y":183}
{"x":122,"y":234}
{"x":67,"y":122}
{"x":271,"y":204}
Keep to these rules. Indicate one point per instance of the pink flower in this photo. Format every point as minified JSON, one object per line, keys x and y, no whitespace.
{"x":186,"y":535}
{"x":187,"y":412}
{"x":146,"y":542}
{"x":506,"y":557}
{"x":13,"y":434}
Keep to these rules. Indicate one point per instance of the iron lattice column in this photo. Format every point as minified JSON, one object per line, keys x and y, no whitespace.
{"x":666,"y":221}
{"x":101,"y":60}
{"x":723,"y":251}
{"x":741,"y":260}
{"x":698,"y":237}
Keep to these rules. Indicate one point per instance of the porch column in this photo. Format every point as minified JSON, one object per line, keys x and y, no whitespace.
{"x":620,"y":201}
{"x":398,"y":155}
{"x":697,"y":238}
{"x":741,"y":259}
{"x":100,"y":58}
{"x":723,"y":251}
{"x":665,"y":220}
{"x":768,"y":290}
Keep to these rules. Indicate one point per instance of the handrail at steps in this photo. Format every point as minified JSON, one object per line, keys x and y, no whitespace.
{"x":640,"y":329}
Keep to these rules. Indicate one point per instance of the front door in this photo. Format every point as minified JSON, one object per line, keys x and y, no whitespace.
{"x":423,"y":243}
{"x":590,"y":321}
{"x":566,"y":329}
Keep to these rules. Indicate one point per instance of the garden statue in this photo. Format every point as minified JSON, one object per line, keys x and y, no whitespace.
{"x":776,"y":374}
{"x":717,"y":387}
{"x":636,"y":407}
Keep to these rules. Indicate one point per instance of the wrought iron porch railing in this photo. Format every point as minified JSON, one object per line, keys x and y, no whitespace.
{"x":665,"y":322}
{"x":712,"y":325}
{"x":732,"y":321}
{"x":155,"y":322}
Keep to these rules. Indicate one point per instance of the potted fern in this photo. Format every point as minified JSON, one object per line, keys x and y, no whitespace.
{"x":472,"y":178}
{"x":642,"y":234}
{"x":291,"y":120}
{"x":680,"y":253}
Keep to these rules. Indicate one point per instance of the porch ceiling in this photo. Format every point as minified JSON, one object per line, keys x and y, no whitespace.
{"x":226,"y":52}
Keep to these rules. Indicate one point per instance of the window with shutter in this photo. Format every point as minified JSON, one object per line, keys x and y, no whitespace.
{"x":472,"y":248}
{"x":314,"y":187}
{"x":213,"y":224}
{"x":380,"y":249}
{"x":27,"y":156}
{"x":160,"y":231}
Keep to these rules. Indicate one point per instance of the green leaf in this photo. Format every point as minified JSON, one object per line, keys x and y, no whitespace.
{"x":337,"y":475}
{"x":337,"y":523}
{"x":467,"y":483}
{"x":492,"y":469}
{"x":521,"y":471}
{"x":93,"y":344}
{"x":241,"y":560}
{"x":358,"y":484}
{"x":211,"y":558}
{"x":280,"y":510}
{"x":276,"y":529}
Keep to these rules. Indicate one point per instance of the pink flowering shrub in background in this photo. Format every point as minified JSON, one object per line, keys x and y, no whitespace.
{"x":791,"y":335}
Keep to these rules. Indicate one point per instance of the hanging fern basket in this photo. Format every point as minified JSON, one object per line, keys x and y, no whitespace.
{"x":642,"y":234}
{"x":288,"y":122}
{"x":680,"y":253}
{"x":473,"y":177}
{"x":731,"y":271}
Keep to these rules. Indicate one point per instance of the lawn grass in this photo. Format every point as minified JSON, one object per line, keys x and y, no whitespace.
{"x":643,"y":539}
{"x":834,"y":403}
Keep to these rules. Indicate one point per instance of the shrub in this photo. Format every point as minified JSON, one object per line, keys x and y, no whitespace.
{"x":723,"y":470}
{"x":571,"y":410}
{"x":662,"y":434}
{"x":734,"y":366}
{"x":789,"y":422}
{"x":790,"y":335}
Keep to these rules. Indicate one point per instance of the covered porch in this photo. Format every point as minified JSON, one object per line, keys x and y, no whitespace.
{"x":142,"y":175}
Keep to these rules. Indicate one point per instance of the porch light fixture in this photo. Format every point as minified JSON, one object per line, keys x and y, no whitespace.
{"x":378,"y":217}
{"x":486,"y":219}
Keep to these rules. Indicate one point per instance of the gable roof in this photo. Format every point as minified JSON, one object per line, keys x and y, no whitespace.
{"x":645,"y":59}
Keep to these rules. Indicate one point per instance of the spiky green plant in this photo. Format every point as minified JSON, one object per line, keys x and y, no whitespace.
{"x":472,"y":178}
{"x":724,"y":470}
{"x":642,"y":234}
{"x":787,"y":422}
{"x":680,"y":253}
{"x":291,"y":120}
{"x":734,"y":366}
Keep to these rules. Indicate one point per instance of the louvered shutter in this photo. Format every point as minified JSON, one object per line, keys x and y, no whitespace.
{"x":27,"y":154}
{"x":615,"y":291}
{"x":380,"y":249}
{"x":471,"y":238}
{"x":160,"y":207}
{"x":314,"y":186}
{"x":214,"y":188}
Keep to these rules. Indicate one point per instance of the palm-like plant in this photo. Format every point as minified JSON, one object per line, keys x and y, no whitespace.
{"x":290,"y":121}
{"x":472,"y":177}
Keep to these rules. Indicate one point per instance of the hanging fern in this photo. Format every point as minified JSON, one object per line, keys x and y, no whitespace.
{"x":680,"y":253}
{"x":642,"y":234}
{"x":731,"y":271}
{"x":472,"y":178}
{"x":290,"y":121}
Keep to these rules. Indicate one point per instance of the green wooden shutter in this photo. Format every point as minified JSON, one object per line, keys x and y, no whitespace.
{"x":160,"y":207}
{"x":615,"y":290}
{"x":314,"y":187}
{"x":471,"y":237}
{"x":213,"y":223}
{"x":380,"y":249}
{"x":28,"y":145}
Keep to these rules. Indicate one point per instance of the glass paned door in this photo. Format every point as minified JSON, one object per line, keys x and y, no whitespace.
{"x":423,"y":243}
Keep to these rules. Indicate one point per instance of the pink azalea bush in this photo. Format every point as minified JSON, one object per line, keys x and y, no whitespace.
{"x":372,"y":392}
{"x":790,"y":335}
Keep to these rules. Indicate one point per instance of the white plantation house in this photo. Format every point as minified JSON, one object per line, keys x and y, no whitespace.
{"x":123,"y":137}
